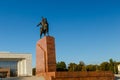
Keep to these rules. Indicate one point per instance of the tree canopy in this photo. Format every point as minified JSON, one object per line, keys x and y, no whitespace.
{"x":81,"y":66}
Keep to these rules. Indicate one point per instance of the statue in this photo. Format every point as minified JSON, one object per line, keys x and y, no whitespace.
{"x":44,"y":29}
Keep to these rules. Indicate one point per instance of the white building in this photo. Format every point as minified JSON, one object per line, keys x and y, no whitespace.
{"x":119,"y":69}
{"x":19,"y":64}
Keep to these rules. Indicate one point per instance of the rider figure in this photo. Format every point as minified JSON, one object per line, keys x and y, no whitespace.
{"x":44,"y":23}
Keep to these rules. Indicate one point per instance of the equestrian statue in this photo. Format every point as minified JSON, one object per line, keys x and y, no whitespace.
{"x":44,"y":29}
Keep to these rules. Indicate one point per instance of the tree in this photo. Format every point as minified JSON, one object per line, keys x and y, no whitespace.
{"x":115,"y":67}
{"x":111,"y":67}
{"x":104,"y":66}
{"x":92,"y":67}
{"x":72,"y":67}
{"x":81,"y":66}
{"x":61,"y":66}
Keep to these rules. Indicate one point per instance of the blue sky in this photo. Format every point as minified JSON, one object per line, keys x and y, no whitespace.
{"x":84,"y":30}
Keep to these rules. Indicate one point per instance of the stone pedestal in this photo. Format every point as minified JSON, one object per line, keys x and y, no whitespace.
{"x":46,"y":65}
{"x":45,"y":55}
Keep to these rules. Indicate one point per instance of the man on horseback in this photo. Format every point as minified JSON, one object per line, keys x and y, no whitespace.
{"x":44,"y":29}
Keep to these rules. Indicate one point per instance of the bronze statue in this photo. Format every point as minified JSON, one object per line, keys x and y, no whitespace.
{"x":44,"y":29}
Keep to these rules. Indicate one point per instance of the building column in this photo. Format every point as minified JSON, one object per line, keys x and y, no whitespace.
{"x":22,"y":68}
{"x":18,"y":68}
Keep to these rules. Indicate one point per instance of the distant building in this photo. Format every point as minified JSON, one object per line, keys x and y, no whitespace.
{"x":18,"y":64}
{"x":119,"y":69}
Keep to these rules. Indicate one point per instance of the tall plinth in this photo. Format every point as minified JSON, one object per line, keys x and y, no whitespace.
{"x":46,"y":65}
{"x":45,"y":55}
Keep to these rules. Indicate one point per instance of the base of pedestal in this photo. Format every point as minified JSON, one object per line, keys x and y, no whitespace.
{"x":77,"y":75}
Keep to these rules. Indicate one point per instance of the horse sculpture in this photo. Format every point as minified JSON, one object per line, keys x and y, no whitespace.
{"x":44,"y":29}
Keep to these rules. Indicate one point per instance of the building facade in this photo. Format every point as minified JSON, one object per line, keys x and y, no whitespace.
{"x":19,"y":64}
